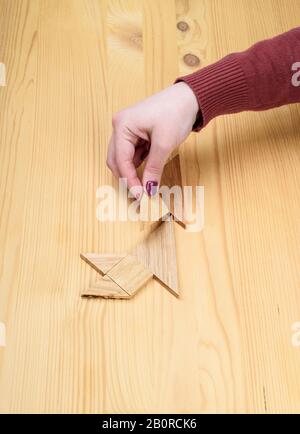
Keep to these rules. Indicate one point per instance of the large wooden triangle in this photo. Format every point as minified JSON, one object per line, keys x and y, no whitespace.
{"x":158,"y":254}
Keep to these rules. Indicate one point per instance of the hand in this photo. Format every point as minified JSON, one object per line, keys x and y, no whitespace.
{"x":152,"y":128}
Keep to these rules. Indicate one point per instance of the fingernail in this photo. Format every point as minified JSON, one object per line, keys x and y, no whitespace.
{"x":151,"y":188}
{"x":136,"y":192}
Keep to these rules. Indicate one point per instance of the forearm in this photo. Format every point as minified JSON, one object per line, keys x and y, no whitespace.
{"x":267,"y":75}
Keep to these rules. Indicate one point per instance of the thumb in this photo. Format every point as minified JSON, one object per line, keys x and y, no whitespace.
{"x":155,"y":163}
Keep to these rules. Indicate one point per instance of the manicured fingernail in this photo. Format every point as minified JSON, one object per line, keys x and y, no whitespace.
{"x":151,"y":188}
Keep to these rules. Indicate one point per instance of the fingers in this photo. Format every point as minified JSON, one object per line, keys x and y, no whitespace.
{"x":141,"y":152}
{"x":126,"y":152}
{"x":111,"y":158}
{"x":157,"y":159}
{"x":129,"y":146}
{"x":122,"y":165}
{"x":124,"y":155}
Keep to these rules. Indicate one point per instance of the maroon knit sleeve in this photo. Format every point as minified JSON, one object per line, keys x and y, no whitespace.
{"x":267,"y":75}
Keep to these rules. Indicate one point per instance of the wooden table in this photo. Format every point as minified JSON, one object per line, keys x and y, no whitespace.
{"x":227,"y":344}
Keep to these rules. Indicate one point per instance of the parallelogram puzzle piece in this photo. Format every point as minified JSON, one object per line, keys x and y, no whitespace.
{"x":130,"y":274}
{"x":102,"y":263}
{"x":158,"y":254}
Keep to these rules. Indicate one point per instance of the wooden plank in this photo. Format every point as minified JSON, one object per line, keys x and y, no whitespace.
{"x":130,"y":274}
{"x":239,"y":290}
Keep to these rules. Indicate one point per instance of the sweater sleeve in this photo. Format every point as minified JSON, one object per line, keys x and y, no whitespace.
{"x":265,"y":76}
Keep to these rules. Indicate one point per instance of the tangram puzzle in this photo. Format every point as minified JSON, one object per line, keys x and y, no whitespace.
{"x":123,"y":275}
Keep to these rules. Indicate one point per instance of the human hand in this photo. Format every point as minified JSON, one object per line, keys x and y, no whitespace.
{"x":151,"y":129}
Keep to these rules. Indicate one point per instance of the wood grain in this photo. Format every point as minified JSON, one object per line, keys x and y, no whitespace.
{"x":226,"y":344}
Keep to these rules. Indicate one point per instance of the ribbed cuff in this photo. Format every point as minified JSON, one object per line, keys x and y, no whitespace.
{"x":220,"y":88}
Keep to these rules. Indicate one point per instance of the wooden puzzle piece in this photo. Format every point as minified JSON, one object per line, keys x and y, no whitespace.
{"x":163,"y":204}
{"x":105,"y":288}
{"x":171,"y":178}
{"x":122,"y":280}
{"x":172,"y":173}
{"x":130,"y":274}
{"x":153,"y":208}
{"x":102,"y":263}
{"x":158,"y":254}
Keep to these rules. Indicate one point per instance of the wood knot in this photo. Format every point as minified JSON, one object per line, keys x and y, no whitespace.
{"x":191,"y":59}
{"x":183,"y":26}
{"x":137,"y":39}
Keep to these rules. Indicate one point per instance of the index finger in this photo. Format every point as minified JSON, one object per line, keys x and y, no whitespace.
{"x":124,"y":155}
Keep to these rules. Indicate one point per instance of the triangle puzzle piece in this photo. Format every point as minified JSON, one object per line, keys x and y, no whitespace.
{"x":153,"y":208}
{"x":102,"y":263}
{"x":158,"y":254}
{"x":171,"y":177}
{"x":105,"y":288}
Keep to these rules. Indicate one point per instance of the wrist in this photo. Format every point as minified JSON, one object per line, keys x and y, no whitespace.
{"x":188,"y":101}
{"x":220,"y":89}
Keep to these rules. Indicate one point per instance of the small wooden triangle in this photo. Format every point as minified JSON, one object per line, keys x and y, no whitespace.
{"x":102,"y":262}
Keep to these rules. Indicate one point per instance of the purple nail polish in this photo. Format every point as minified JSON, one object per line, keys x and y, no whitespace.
{"x":151,"y":188}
